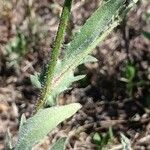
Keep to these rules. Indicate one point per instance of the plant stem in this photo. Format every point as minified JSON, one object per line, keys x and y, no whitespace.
{"x":55,"y":54}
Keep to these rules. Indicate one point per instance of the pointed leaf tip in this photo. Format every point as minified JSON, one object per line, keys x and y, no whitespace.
{"x":38,"y":126}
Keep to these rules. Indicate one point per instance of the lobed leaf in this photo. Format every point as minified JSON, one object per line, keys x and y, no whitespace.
{"x":97,"y":27}
{"x":92,"y":30}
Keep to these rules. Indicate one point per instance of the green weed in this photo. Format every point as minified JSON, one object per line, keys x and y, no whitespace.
{"x":101,"y":140}
{"x":59,"y":74}
{"x":17,"y":45}
{"x":16,"y":49}
{"x":130,"y":77}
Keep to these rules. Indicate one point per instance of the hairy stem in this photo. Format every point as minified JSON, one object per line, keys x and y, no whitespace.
{"x":55,"y":54}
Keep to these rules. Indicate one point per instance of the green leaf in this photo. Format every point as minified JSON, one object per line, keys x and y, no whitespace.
{"x":111,"y":134}
{"x":105,"y":139}
{"x":130,"y":72}
{"x":146,"y":34}
{"x":64,"y":85}
{"x":67,"y":80}
{"x":35,"y":80}
{"x":17,"y":45}
{"x":22,"y":121}
{"x":89,"y":59}
{"x":97,"y":27}
{"x":44,"y":121}
{"x":97,"y":138}
{"x":91,"y":33}
{"x":101,"y":140}
{"x":38,"y":80}
{"x":8,"y":141}
{"x":125,"y":142}
{"x":59,"y":145}
{"x":135,"y":1}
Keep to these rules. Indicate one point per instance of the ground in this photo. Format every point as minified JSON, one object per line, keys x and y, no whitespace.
{"x":27,"y":31}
